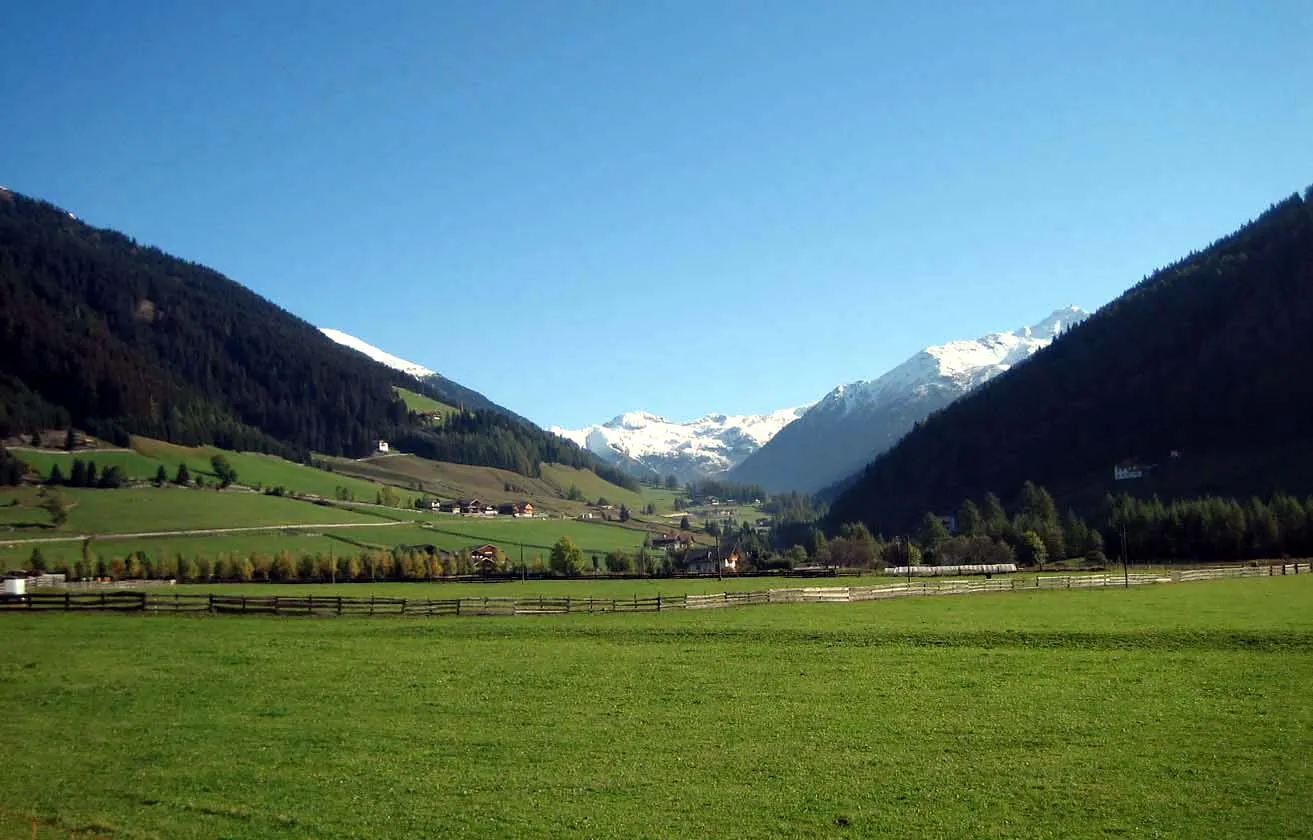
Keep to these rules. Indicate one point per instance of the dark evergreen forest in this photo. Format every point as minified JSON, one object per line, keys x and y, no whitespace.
{"x":1199,"y":376}
{"x":117,"y":338}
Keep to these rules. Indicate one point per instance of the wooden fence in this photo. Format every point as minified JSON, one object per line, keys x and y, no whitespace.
{"x":334,"y":605}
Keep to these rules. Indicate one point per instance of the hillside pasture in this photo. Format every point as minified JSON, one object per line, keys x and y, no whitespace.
{"x":254,"y":469}
{"x":420,"y":404}
{"x":445,"y":480}
{"x":105,"y":513}
{"x":591,"y":485}
{"x":1173,"y":711}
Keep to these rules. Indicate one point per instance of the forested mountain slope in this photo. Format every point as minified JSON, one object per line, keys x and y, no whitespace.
{"x":1198,"y":378}
{"x":99,"y":332}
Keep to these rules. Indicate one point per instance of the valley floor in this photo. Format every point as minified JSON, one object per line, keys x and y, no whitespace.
{"x":1172,"y":711}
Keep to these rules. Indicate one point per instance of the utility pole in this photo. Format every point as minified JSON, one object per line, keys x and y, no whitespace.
{"x":1126,"y":573}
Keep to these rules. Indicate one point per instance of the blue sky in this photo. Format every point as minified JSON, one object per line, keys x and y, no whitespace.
{"x":586,"y":208}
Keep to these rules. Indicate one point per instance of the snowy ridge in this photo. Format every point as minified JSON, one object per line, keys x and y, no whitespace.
{"x":696,"y":449}
{"x":856,"y":422}
{"x":954,"y":367}
{"x":381,"y":356}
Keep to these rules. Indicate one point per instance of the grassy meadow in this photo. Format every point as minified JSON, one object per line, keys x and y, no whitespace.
{"x":1169,"y":711}
{"x":421,"y":404}
{"x":147,"y":455}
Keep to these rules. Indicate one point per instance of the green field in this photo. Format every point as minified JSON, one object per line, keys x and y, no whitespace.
{"x":421,"y":404}
{"x":253,"y":469}
{"x":535,"y":534}
{"x":105,"y":513}
{"x":1170,"y":711}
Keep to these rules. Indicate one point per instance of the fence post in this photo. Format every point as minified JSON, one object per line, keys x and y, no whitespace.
{"x":211,"y":602}
{"x":68,"y":602}
{"x":276,"y":605}
{"x":658,"y":602}
{"x":339,"y":604}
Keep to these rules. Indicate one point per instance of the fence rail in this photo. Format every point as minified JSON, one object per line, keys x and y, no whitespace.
{"x":336,"y":605}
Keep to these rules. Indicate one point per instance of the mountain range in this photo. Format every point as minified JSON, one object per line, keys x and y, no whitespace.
{"x":116,"y":338}
{"x":811,"y":447}
{"x":855,"y":422}
{"x":649,"y":445}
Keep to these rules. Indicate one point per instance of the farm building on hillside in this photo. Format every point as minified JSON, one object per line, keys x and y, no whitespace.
{"x":474,"y":507}
{"x":381,"y":447}
{"x":517,"y":509}
{"x":483,"y":558}
{"x":703,"y":562}
{"x":671,"y":542}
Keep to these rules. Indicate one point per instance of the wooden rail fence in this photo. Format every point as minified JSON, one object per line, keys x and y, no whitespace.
{"x":335,"y":605}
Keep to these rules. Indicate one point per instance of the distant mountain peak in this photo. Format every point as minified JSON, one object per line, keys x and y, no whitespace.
{"x":858,"y":420}
{"x":380,"y":356}
{"x":642,"y":441}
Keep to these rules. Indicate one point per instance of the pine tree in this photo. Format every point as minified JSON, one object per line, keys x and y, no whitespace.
{"x":994,"y":516}
{"x":931,"y":532}
{"x":183,"y":475}
{"x":161,"y":477}
{"x":970,"y":521}
{"x":56,"y":476}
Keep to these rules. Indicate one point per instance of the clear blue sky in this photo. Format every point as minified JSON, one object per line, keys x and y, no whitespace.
{"x":586,"y":208}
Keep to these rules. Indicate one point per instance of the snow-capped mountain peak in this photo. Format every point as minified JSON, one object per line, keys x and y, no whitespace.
{"x":956,"y":365}
{"x":859,"y":420}
{"x":647,"y":442}
{"x":381,"y":356}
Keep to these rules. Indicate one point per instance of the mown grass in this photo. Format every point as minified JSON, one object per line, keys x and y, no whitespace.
{"x":1172,"y":711}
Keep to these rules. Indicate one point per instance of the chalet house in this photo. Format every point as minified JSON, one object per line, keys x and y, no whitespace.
{"x":432,"y":504}
{"x":474,"y":507}
{"x":381,"y":447}
{"x":516,"y":509}
{"x":670,"y":542}
{"x":484,"y":558}
{"x":702,"y":561}
{"x":450,"y":506}
{"x":588,"y":514}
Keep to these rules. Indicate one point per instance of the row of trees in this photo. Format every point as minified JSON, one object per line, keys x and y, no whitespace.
{"x":400,"y":564}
